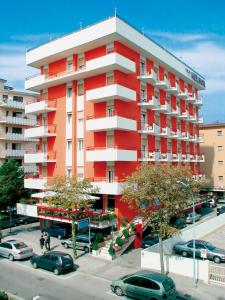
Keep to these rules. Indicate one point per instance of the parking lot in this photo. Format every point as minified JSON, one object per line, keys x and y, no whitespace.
{"x":217,"y":237}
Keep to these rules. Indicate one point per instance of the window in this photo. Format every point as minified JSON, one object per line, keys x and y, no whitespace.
{"x":142,"y":66}
{"x":109,"y":79}
{"x":80,"y":176}
{"x":220,"y":162}
{"x":5,"y":98}
{"x":110,"y":111}
{"x":143,"y":93}
{"x":219,"y":132}
{"x":110,"y":175}
{"x":16,"y":130}
{"x":17,"y":98}
{"x":80,"y":144}
{"x":219,"y":148}
{"x":220,"y":178}
{"x":132,"y":280}
{"x":17,"y":114}
{"x":69,"y":66}
{"x":16,"y":146}
{"x":6,"y":146}
{"x":109,"y":48}
{"x":80,"y":89}
{"x":69,"y":173}
{"x":69,"y":146}
{"x":69,"y":92}
{"x":69,"y":118}
{"x":80,"y":62}
{"x":54,"y":258}
{"x":7,"y":113}
{"x":199,"y":246}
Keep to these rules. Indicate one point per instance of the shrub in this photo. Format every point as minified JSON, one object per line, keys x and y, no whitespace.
{"x":133,"y":227}
{"x":119,"y":241}
{"x":124,"y":221}
{"x":111,"y":250}
{"x":3,"y":296}
{"x":126,"y":233}
{"x":95,"y":246}
{"x":99,"y":237}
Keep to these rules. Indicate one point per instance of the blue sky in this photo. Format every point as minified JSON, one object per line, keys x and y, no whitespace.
{"x":192,"y":30}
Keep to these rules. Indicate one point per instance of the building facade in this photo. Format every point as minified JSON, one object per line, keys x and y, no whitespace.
{"x":214,"y":152}
{"x":13,"y":122}
{"x":111,"y":98}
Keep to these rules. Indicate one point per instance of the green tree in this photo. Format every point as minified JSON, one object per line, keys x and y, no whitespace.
{"x":72,"y":195}
{"x":12,"y":183}
{"x":156,"y":192}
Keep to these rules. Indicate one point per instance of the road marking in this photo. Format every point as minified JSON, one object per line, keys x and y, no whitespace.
{"x":36,"y":297}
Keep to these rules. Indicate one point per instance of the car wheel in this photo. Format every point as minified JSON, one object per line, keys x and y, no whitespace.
{"x":56,"y":271}
{"x":59,"y":237}
{"x":11,"y":257}
{"x":34,"y":264}
{"x":217,"y":259}
{"x":86,"y":249}
{"x":184,"y":253}
{"x":66,"y":246}
{"x":118,"y":291}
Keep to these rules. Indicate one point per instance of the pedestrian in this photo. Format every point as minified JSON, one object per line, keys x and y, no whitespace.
{"x":42,"y":242}
{"x":48,"y":242}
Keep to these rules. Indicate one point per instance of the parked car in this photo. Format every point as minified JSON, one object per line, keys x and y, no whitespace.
{"x":178,"y":223}
{"x":20,"y":219}
{"x":190,"y":218}
{"x":6,"y":222}
{"x":145,"y":285}
{"x":82,"y":242}
{"x":55,"y":261}
{"x":13,"y":249}
{"x":149,"y":241}
{"x":220,"y":210}
{"x":60,"y":232}
{"x":203,"y":249}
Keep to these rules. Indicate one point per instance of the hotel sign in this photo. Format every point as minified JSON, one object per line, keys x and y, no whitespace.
{"x":196,"y":77}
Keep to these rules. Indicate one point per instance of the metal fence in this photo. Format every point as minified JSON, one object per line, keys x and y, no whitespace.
{"x":217,"y":274}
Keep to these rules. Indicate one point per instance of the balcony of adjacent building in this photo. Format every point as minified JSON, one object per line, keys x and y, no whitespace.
{"x":149,"y":103}
{"x":22,"y":121}
{"x":33,"y":169}
{"x":107,"y":63}
{"x":41,"y":106}
{"x":184,"y":115}
{"x":110,"y":154}
{"x":108,"y":186}
{"x":198,"y":102}
{"x":152,"y":129}
{"x":200,"y":157}
{"x":192,"y":118}
{"x":176,"y":157}
{"x":113,"y":121}
{"x":174,"y":112}
{"x":200,"y":138}
{"x":185,"y":136}
{"x":155,"y":156}
{"x":193,"y":158}
{"x":12,"y":153}
{"x":110,"y":92}
{"x":183,"y":94}
{"x":10,"y":136}
{"x":192,"y":98}
{"x":41,"y":131}
{"x":173,"y":88}
{"x":163,"y":83}
{"x":199,"y":120}
{"x":163,"y":108}
{"x":165,"y":132}
{"x":186,"y":158}
{"x":192,"y":137}
{"x":175,"y":134}
{"x":37,"y":183}
{"x":11,"y":102}
{"x":40,"y":157}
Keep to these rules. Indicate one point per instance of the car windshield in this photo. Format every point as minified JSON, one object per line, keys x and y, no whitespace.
{"x":20,"y":245}
{"x":66,"y":258}
{"x":210,"y":247}
{"x":168,"y":284}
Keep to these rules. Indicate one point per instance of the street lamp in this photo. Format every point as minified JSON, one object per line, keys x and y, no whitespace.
{"x":186,"y":185}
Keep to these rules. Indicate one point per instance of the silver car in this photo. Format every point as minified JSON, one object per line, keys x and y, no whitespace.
{"x":14,"y":249}
{"x":203,"y":249}
{"x":190,"y":218}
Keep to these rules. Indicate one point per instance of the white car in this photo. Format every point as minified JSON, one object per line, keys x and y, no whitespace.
{"x":190,"y":218}
{"x":14,"y":249}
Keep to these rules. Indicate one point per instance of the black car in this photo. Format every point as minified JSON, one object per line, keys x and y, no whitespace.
{"x":7,"y":222}
{"x":20,"y":220}
{"x":55,"y":261}
{"x":220,"y":210}
{"x":149,"y":241}
{"x":59,"y":231}
{"x":178,"y":223}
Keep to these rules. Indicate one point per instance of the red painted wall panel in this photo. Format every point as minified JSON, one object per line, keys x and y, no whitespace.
{"x":162,"y":95}
{"x":57,"y":67}
{"x":95,"y":53}
{"x":161,"y":73}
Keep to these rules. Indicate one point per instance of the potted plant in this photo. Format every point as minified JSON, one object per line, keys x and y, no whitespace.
{"x":126,"y":234}
{"x":111,"y":250}
{"x":119,"y":241}
{"x":95,"y":248}
{"x":3,"y":295}
{"x":133,"y":227}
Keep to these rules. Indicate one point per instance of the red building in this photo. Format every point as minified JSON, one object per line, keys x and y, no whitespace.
{"x":111,"y":98}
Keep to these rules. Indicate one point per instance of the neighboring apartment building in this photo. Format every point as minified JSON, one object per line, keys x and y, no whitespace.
{"x":111,"y":99}
{"x":13,"y":122}
{"x":214,"y":151}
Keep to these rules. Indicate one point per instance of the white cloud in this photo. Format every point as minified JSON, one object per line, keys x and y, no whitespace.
{"x":43,"y":37}
{"x":192,"y":37}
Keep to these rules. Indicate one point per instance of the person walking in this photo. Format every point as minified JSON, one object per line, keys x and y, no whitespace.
{"x":48,"y":242}
{"x":42,"y":242}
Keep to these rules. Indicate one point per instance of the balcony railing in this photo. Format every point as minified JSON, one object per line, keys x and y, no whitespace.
{"x":41,"y":131}
{"x":16,"y":137}
{"x":10,"y":103}
{"x":173,"y":89}
{"x":41,"y":106}
{"x":165,"y":131}
{"x":149,"y":103}
{"x":149,"y":77}
{"x":18,"y":121}
{"x":149,"y":129}
{"x":163,"y":84}
{"x":114,"y":153}
{"x":183,"y":94}
{"x":40,"y":157}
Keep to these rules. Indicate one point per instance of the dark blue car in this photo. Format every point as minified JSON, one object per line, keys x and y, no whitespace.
{"x":58,"y":231}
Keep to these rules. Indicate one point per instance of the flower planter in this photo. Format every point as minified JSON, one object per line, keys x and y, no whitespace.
{"x":95,"y":252}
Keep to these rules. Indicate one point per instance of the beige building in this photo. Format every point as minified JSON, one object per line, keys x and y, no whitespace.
{"x":13,"y":122}
{"x":214,"y":150}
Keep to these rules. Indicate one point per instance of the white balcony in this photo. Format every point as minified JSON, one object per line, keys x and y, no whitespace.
{"x":30,"y":169}
{"x":42,"y":157}
{"x":198,"y":102}
{"x":176,"y":134}
{"x":111,"y":154}
{"x":154,"y":156}
{"x":163,"y":84}
{"x":111,"y":123}
{"x":173,"y":89}
{"x":183,"y":94}
{"x":191,"y":98}
{"x":185,"y":158}
{"x":15,"y":153}
{"x":110,"y":92}
{"x":165,"y":131}
{"x":152,"y":103}
{"x":174,"y":112}
{"x":150,"y":77}
{"x":40,"y":107}
{"x":200,"y":120}
{"x":200,"y":139}
{"x":177,"y":157}
{"x":10,"y":103}
{"x":192,"y":118}
{"x":16,"y":137}
{"x":184,"y":115}
{"x":35,"y":183}
{"x":18,"y":121}
{"x":100,"y":65}
{"x":164,"y":108}
{"x":185,"y":136}
{"x":200,"y":158}
{"x":192,"y":138}
{"x":110,"y":188}
{"x":193,"y":158}
{"x":149,"y":129}
{"x":42,"y":131}
{"x":165,"y":157}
